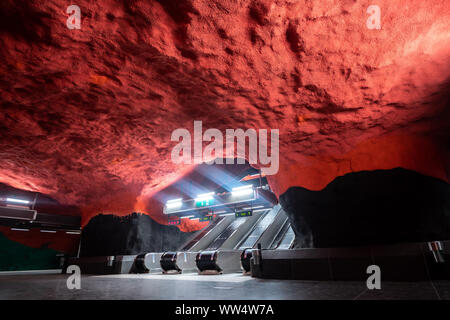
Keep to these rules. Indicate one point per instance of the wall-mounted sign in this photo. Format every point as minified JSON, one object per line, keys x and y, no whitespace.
{"x":204,"y":203}
{"x":246,"y":213}
{"x":205,"y":218}
{"x":174,"y":222}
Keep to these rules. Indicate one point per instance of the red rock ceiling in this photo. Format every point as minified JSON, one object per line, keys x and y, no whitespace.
{"x":86,"y":115}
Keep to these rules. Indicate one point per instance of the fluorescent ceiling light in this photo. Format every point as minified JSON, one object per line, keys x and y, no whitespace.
{"x":241,"y":191}
{"x":185,"y":217}
{"x":48,"y":231}
{"x":205,"y":196}
{"x":174,"y":203}
{"x":17,"y":201}
{"x":18,"y":229}
{"x":250,"y":208}
{"x":227,"y":214}
{"x":243,"y":187}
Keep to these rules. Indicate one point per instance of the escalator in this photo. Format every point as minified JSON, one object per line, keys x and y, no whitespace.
{"x":261,"y":226}
{"x":191,"y":243}
{"x":229,"y":258}
{"x":278,"y":235}
{"x":226,"y":244}
{"x":227,"y":233}
{"x":285,"y":238}
{"x":288,"y":239}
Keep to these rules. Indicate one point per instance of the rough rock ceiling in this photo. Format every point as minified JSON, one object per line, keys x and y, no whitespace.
{"x":86,"y":115}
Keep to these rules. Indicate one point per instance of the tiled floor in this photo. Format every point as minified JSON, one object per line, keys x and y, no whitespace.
{"x":193,"y":286}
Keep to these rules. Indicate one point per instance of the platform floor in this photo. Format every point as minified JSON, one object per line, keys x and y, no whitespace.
{"x":207,"y":287}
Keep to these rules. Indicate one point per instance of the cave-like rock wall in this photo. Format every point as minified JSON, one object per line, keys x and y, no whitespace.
{"x":370,"y":207}
{"x":87,"y":114}
{"x":107,"y":235}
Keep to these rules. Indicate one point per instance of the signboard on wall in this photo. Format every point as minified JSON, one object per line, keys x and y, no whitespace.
{"x":204,"y":203}
{"x":205,"y":218}
{"x":174,"y":222}
{"x":246,"y":213}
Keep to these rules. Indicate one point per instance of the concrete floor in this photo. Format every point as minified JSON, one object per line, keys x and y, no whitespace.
{"x":207,"y":287}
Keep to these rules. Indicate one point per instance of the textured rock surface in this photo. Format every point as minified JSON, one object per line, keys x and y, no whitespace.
{"x":87,"y":114}
{"x":371,"y":207}
{"x":107,"y":235}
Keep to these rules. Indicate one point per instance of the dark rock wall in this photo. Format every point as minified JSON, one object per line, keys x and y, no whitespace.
{"x":370,"y":207}
{"x":133,"y":234}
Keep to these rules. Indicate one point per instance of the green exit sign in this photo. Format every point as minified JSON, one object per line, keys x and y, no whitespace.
{"x":204,"y":203}
{"x":240,"y":214}
{"x":206,"y":218}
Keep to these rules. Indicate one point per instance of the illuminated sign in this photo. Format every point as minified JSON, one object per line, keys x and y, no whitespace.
{"x":204,"y":203}
{"x":174,"y":222}
{"x":205,"y":218}
{"x":240,"y":214}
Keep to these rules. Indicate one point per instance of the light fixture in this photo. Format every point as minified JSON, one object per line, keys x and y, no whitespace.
{"x":13,"y":200}
{"x":250,"y":208}
{"x":242,"y":191}
{"x":186,"y":217}
{"x":48,"y":231}
{"x":205,"y":196}
{"x":174,"y":203}
{"x":226,"y":214}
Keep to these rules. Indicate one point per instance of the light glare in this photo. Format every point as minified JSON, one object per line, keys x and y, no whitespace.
{"x":17,"y":201}
{"x":205,"y":196}
{"x":173,"y":205}
{"x":241,"y":191}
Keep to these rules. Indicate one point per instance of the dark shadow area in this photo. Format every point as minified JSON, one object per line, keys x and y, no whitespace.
{"x":107,"y":235}
{"x":23,"y":21}
{"x":370,"y":207}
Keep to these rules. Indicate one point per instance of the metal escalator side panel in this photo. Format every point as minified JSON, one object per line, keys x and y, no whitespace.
{"x":186,"y":261}
{"x":229,"y":261}
{"x":268,"y":236}
{"x":252,"y":238}
{"x":212,"y":234}
{"x":217,"y":243}
{"x":251,"y":231}
{"x":288,"y":239}
{"x":280,"y":235}
{"x":152,"y":262}
{"x":200,"y":234}
{"x":242,"y":231}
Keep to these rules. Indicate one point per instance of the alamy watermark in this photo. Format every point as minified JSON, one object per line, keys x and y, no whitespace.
{"x":374,"y":280}
{"x":235,"y":142}
{"x":374,"y":20}
{"x":74,"y":19}
{"x":74,"y":280}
